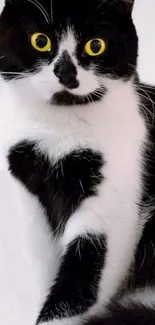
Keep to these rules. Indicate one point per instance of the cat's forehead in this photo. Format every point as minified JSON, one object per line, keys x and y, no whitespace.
{"x":55,"y":16}
{"x":70,"y":12}
{"x":62,"y":9}
{"x":58,"y":16}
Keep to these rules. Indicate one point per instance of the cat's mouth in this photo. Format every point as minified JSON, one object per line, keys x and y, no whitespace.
{"x":65,"y":98}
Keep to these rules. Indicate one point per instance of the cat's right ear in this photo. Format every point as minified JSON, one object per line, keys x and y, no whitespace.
{"x":126,"y":6}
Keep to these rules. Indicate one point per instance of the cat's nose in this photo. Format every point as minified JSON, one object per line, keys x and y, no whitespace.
{"x":66,"y":72}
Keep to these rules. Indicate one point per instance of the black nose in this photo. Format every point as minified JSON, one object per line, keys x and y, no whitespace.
{"x":66,"y":71}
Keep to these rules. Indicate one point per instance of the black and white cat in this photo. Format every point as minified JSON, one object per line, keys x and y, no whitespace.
{"x":77,"y":148}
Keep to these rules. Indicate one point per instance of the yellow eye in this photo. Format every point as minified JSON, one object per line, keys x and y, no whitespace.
{"x":41,"y":42}
{"x":95,"y":46}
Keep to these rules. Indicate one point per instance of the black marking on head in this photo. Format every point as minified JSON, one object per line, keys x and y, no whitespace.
{"x":64,"y":98}
{"x":76,"y":286}
{"x":110,"y":20}
{"x":60,"y":187}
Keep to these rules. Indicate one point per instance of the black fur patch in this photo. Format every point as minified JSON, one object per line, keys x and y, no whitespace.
{"x":133,"y":314}
{"x":60,"y":187}
{"x":77,"y":281}
{"x":65,"y":98}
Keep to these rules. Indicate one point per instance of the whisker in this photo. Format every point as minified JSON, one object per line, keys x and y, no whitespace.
{"x":151,"y":92}
{"x":149,"y":87}
{"x":148,"y":97}
{"x":145,"y":113}
{"x":142,"y":263}
{"x":52,"y":18}
{"x":153,"y":249}
{"x":42,"y":9}
{"x":146,"y":110}
{"x":13,"y":73}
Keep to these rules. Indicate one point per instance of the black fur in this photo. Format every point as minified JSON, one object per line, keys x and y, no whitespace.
{"x":60,"y":187}
{"x":77,"y":281}
{"x":133,"y":314}
{"x":67,"y":99}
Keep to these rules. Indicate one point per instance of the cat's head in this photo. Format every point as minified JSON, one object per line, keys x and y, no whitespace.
{"x":64,"y":49}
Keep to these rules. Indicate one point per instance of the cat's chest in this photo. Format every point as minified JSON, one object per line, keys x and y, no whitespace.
{"x":113,"y":127}
{"x":63,"y":157}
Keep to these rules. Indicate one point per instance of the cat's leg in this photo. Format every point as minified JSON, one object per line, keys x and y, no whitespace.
{"x":77,"y":282}
{"x":96,"y":254}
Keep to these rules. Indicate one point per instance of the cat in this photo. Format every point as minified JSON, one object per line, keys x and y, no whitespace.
{"x":78,"y":143}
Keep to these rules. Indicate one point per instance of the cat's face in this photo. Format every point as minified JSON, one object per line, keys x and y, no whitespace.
{"x":64,"y":50}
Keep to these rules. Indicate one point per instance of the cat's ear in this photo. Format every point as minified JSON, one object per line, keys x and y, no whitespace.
{"x":10,"y":2}
{"x":126,"y":6}
{"x":9,"y":15}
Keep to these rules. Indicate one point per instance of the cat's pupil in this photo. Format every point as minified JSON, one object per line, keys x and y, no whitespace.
{"x":95,"y":46}
{"x":41,"y":41}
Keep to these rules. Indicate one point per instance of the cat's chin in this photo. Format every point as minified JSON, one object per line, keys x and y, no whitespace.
{"x":66,"y":98}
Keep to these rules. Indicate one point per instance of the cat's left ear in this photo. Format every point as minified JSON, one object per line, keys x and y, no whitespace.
{"x":127,"y":6}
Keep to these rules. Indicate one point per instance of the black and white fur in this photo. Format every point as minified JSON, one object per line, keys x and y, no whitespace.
{"x":81,"y":162}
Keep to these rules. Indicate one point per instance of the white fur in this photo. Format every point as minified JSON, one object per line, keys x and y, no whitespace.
{"x":113,"y":126}
{"x":145,"y":296}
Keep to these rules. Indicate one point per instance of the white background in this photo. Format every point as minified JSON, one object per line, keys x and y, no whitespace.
{"x":144,"y":17}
